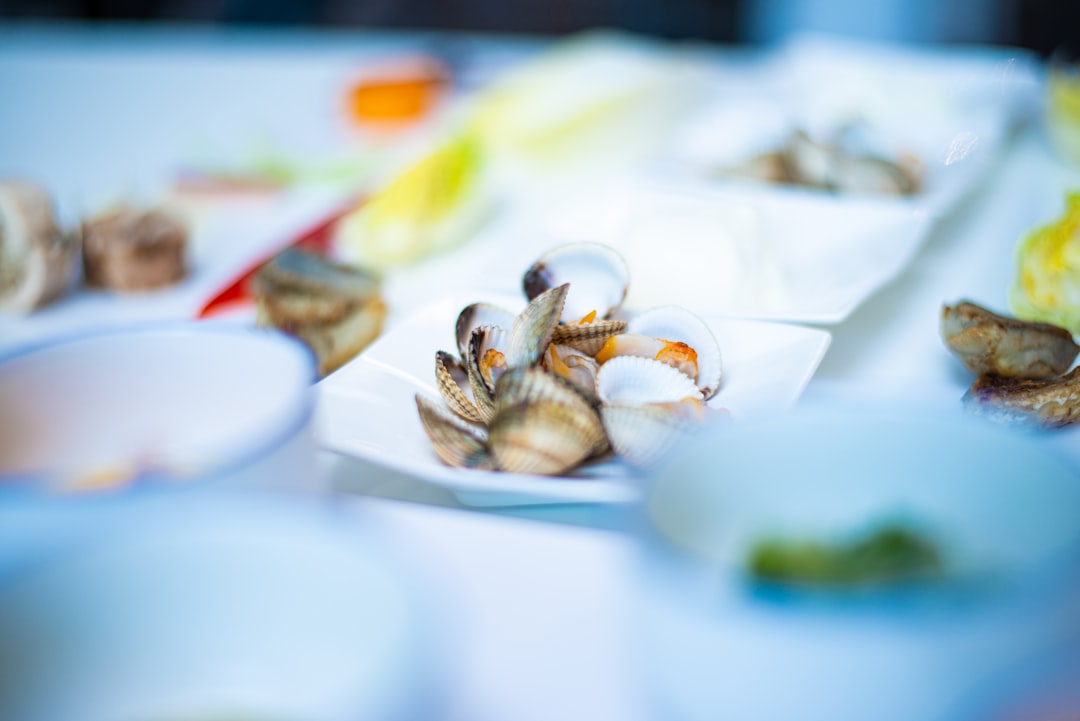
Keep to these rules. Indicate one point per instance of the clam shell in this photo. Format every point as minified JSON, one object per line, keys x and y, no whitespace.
{"x":476,"y":315}
{"x":597,"y":274}
{"x":642,"y":434}
{"x":542,"y":424}
{"x":675,"y":323}
{"x":631,"y":380}
{"x":452,"y":380}
{"x":534,"y":326}
{"x":455,"y":442}
{"x":587,"y":337}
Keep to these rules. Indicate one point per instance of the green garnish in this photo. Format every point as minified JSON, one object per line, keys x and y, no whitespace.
{"x":890,"y":554}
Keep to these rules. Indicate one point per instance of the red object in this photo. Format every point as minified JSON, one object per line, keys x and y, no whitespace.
{"x":317,"y":239}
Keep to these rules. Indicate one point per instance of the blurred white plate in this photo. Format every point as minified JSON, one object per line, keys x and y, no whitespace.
{"x":951,"y":109}
{"x":746,"y":252}
{"x":225,"y":243}
{"x":367,"y":408}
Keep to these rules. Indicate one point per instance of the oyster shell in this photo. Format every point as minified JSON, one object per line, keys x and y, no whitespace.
{"x":988,"y":343}
{"x":597,"y":275}
{"x":1046,"y":402}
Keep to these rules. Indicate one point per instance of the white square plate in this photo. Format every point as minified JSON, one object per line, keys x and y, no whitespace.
{"x":744,"y":251}
{"x":367,"y":408}
{"x":951,"y":109}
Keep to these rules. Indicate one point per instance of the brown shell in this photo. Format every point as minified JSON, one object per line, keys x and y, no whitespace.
{"x":587,"y":337}
{"x":455,"y":442}
{"x":991,"y":344}
{"x":452,"y":380}
{"x":542,"y":424}
{"x":534,"y":326}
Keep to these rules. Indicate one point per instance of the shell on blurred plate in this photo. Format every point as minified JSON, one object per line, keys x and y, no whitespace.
{"x":542,"y":424}
{"x":677,"y":324}
{"x":456,"y":442}
{"x":597,"y":275}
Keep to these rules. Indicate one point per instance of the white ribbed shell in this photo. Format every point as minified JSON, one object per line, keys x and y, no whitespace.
{"x":630,"y":380}
{"x":642,"y":434}
{"x":677,"y":324}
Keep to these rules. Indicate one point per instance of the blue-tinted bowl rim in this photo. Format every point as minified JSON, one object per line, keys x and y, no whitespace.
{"x":29,"y":486}
{"x":1025,"y":584}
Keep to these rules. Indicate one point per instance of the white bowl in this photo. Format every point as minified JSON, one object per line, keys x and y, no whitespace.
{"x":219,"y":606}
{"x":147,"y":405}
{"x":718,"y":644}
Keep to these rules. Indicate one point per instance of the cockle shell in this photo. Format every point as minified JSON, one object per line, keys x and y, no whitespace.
{"x":678,"y":355}
{"x":597,"y":275}
{"x":542,"y":424}
{"x":455,"y":442}
{"x":645,"y":406}
{"x":642,"y":434}
{"x":475,"y":315}
{"x":452,"y":380}
{"x":630,"y":380}
{"x":675,"y":323}
{"x":485,"y":344}
{"x":534,"y":326}
{"x":588,"y":337}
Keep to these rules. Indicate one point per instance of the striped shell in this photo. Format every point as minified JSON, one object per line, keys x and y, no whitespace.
{"x":534,"y":326}
{"x":630,"y":380}
{"x":452,"y":380}
{"x":484,"y":342}
{"x":642,"y":434}
{"x":587,"y":337}
{"x":455,"y":442}
{"x":542,"y":425}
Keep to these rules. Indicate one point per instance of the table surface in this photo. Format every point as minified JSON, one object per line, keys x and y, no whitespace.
{"x":101,"y":114}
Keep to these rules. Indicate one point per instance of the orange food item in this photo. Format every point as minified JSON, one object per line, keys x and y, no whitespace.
{"x":404,"y":91}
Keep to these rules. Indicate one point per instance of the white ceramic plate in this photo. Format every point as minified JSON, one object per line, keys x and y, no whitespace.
{"x":367,"y":408}
{"x":744,"y":251}
{"x":950,"y":109}
{"x":224,"y":244}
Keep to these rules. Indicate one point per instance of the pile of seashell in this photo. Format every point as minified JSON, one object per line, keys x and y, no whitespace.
{"x":566,"y":380}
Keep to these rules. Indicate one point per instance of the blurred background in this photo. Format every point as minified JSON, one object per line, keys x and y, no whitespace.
{"x":1040,"y":25}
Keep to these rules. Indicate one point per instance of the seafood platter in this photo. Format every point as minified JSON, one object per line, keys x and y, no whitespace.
{"x":564,"y":395}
